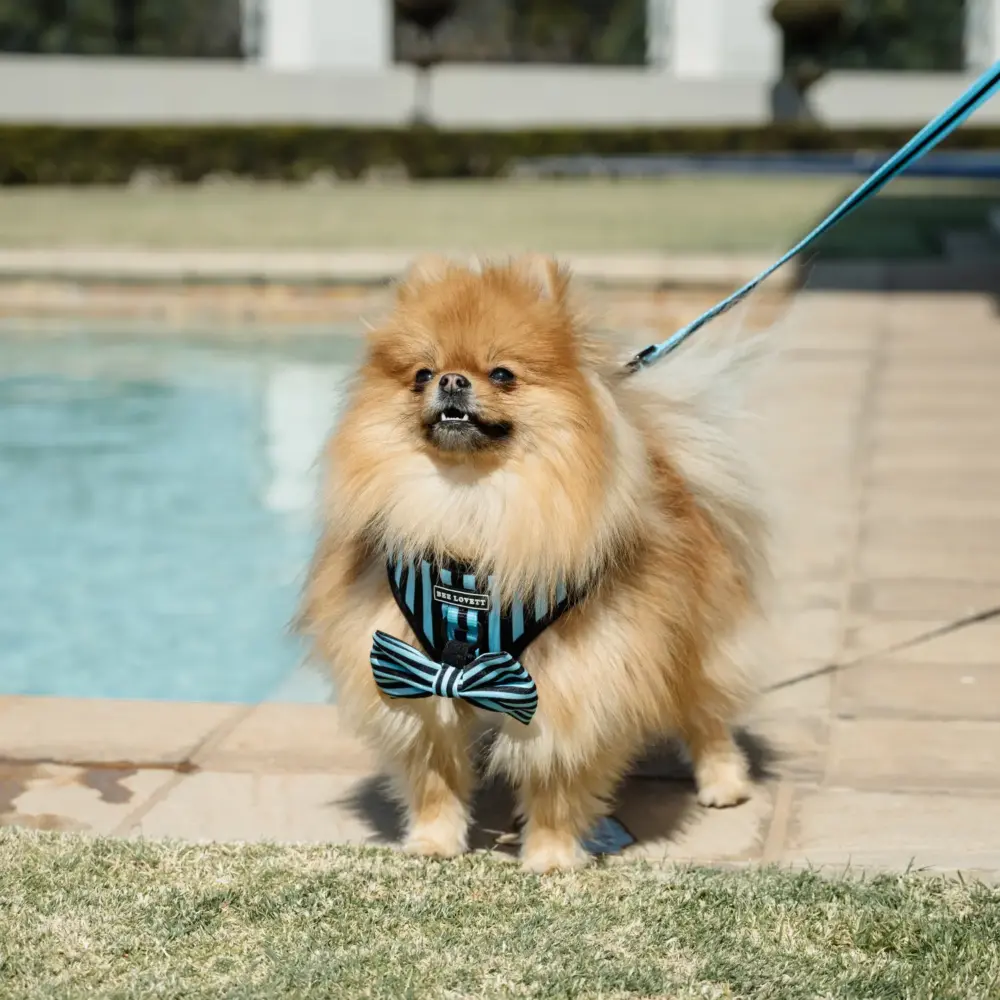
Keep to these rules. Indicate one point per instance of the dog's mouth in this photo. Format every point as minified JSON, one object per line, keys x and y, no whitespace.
{"x":459,"y":427}
{"x":454,"y":415}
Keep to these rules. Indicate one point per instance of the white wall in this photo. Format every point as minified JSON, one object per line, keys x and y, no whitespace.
{"x":724,"y":39}
{"x":93,"y":91}
{"x":303,"y":35}
{"x":982,"y":33}
{"x":696,"y":38}
{"x":286,"y":41}
{"x":659,"y":22}
{"x":751,"y":40}
{"x":895,"y":100}
{"x":538,"y":96}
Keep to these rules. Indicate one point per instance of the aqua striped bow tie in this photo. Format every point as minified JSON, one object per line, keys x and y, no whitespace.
{"x":493,"y":681}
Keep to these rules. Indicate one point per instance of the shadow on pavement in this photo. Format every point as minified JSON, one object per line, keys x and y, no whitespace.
{"x":654,"y":799}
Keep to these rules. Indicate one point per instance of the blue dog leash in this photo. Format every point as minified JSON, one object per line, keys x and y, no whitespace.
{"x":922,"y":143}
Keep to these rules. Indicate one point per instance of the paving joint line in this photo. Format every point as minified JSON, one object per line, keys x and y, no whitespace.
{"x":861,"y":477}
{"x":781,"y":813}
{"x":183,"y":769}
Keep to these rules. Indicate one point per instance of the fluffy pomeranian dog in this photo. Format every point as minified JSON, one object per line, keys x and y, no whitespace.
{"x":488,"y":427}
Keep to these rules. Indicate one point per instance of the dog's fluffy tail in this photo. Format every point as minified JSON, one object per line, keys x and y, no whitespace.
{"x":699,"y":400}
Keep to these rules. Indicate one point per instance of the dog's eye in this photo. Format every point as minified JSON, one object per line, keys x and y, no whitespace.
{"x":423,"y":376}
{"x":502,"y":376}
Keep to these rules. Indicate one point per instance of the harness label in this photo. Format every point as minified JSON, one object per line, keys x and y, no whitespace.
{"x":462,"y":599}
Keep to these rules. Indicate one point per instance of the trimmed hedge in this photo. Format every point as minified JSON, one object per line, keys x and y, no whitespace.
{"x":58,"y":155}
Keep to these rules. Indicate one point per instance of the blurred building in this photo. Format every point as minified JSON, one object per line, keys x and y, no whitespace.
{"x":497,"y":63}
{"x":687,"y":39}
{"x":693,"y":39}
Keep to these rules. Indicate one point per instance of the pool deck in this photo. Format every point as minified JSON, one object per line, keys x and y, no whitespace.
{"x":881,"y":431}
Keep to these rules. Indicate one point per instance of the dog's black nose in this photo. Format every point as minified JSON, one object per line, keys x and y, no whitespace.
{"x":453,"y":382}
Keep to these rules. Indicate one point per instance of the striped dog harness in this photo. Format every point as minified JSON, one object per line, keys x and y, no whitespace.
{"x":471,"y":643}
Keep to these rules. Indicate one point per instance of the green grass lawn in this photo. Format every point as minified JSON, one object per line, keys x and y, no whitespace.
{"x":683,"y":214}
{"x":110,"y":918}
{"x":731,"y":214}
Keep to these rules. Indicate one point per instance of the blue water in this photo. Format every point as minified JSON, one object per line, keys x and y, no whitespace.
{"x":157,"y":514}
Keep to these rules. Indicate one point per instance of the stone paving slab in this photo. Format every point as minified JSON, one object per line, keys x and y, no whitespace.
{"x":216,"y":805}
{"x":905,"y":375}
{"x":939,"y":548}
{"x":933,"y":329}
{"x":798,"y":745}
{"x":81,"y":799}
{"x":834,"y":321}
{"x":836,"y":826}
{"x":804,"y":637}
{"x":977,"y":646}
{"x":814,"y":552}
{"x":807,"y":595}
{"x":276,"y":738}
{"x":95,"y":730}
{"x":976,"y":344}
{"x":805,"y":699}
{"x":792,"y":723}
{"x":942,"y":691}
{"x":671,"y":826}
{"x":963,"y":403}
{"x":914,"y":754}
{"x":943,"y":448}
{"x":921,"y":601}
{"x":933,"y":496}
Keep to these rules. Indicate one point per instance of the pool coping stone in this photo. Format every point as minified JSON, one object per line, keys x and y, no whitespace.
{"x":356,"y":268}
{"x":109,"y":732}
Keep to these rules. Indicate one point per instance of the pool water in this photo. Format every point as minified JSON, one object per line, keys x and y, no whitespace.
{"x":157,"y":512}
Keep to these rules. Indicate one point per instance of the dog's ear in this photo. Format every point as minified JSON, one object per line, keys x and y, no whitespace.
{"x":546,"y":275}
{"x":424,"y":270}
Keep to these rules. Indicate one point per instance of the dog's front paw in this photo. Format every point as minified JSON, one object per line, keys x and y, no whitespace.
{"x":723,"y":794}
{"x":723,"y":784}
{"x":721,"y":776}
{"x":436,"y":840}
{"x":548,"y":852}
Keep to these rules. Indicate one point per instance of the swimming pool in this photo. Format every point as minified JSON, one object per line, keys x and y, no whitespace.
{"x":157,"y":513}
